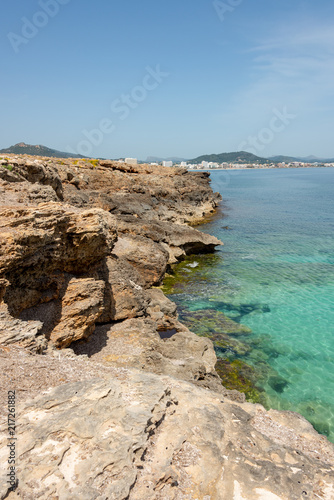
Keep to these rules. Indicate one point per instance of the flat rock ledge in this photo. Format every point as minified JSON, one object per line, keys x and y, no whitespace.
{"x":142,"y":436}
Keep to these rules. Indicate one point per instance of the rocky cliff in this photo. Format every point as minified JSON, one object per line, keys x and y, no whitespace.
{"x":118,"y":399}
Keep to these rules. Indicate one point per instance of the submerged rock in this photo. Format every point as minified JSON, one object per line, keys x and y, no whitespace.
{"x":212,"y":322}
{"x":279,"y":384}
{"x":238,"y":376}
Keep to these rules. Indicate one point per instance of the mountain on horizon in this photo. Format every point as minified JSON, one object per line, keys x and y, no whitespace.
{"x":312,"y":157}
{"x":245,"y":157}
{"x":234,"y":157}
{"x":283,"y":159}
{"x":38,"y":150}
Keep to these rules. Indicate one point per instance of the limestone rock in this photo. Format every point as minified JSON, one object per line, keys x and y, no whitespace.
{"x":6,"y":174}
{"x":3,"y":285}
{"x":23,"y":193}
{"x":179,"y":240}
{"x":34,"y":171}
{"x":137,"y":343}
{"x":125,"y":296}
{"x":148,"y":257}
{"x":82,"y":305}
{"x":142,"y":436}
{"x":162,"y":310}
{"x":155,"y":193}
{"x":122,"y":344}
{"x":188,"y":357}
{"x":24,"y":333}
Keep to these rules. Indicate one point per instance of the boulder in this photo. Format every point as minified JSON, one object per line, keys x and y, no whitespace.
{"x":179,"y":240}
{"x":149,"y":258}
{"x":160,"y":309}
{"x":33,"y":171}
{"x":38,"y":246}
{"x":137,"y":343}
{"x":125,"y":296}
{"x":81,"y":307}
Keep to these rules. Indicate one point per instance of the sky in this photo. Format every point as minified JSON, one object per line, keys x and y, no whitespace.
{"x":181,"y":78}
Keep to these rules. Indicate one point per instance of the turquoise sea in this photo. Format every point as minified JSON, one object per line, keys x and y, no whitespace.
{"x":275,"y":274}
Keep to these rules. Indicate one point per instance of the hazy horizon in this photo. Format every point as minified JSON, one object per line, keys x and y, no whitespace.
{"x":174,"y":157}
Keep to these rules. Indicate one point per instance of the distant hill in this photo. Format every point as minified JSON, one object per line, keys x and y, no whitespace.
{"x":27,"y":149}
{"x":235,"y":157}
{"x":314,"y":159}
{"x":283,"y":159}
{"x":307,"y":159}
{"x":311,"y":158}
{"x":245,"y":157}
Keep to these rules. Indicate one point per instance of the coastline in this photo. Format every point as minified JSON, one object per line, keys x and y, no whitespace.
{"x":262,"y":168}
{"x":281,"y":267}
{"x":238,"y":377}
{"x":125,"y":402}
{"x":129,"y":223}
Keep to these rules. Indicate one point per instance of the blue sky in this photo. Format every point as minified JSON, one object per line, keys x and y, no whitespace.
{"x":177,"y":78}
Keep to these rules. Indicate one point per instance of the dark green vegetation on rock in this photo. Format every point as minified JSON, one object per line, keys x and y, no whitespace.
{"x":209,"y":322}
{"x":243,"y":359}
{"x":180,"y":275}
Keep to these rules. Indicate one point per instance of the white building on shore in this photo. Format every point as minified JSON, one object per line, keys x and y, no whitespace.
{"x":131,"y":161}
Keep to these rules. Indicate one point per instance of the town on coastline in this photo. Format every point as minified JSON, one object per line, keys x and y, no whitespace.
{"x":217,"y":166}
{"x":207,"y":165}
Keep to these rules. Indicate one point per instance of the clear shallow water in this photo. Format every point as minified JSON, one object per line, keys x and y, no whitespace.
{"x":278,"y":258}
